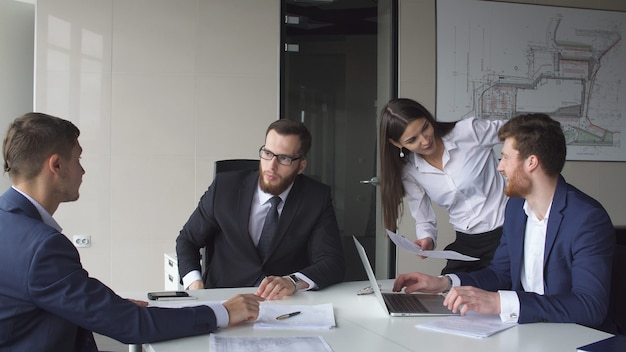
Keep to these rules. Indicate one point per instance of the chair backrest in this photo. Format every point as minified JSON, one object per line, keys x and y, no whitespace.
{"x":620,"y":235}
{"x":223,"y":166}
{"x":236,"y":164}
{"x":617,"y":306}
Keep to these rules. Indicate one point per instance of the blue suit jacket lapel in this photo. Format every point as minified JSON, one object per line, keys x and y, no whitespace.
{"x":555,"y":218}
{"x":516,"y":246}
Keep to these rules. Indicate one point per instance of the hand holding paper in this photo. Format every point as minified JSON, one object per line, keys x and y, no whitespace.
{"x":411,"y":247}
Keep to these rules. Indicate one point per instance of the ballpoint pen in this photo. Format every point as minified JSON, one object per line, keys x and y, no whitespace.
{"x":288,"y":315}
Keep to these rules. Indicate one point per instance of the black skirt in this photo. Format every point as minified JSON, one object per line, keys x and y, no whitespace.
{"x":481,"y":246}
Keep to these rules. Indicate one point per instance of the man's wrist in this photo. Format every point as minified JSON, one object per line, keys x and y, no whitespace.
{"x":449,"y":287}
{"x":294,"y":280}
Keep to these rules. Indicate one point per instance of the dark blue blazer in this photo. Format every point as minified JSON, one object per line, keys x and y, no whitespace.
{"x":308,"y":238}
{"x":48,"y":302}
{"x":577,"y":262}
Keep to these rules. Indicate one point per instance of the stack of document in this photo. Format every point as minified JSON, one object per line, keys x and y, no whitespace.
{"x":299,"y":317}
{"x":472,"y":325}
{"x":268,"y":343}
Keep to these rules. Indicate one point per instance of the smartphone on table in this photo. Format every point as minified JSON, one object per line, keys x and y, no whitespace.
{"x":169,"y":295}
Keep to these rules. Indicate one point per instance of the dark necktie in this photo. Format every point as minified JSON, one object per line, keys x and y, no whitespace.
{"x":270,"y":227}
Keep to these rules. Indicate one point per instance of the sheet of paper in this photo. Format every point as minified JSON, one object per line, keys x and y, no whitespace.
{"x":268,"y":343}
{"x":319,"y":316}
{"x":411,"y":247}
{"x":472,"y":325}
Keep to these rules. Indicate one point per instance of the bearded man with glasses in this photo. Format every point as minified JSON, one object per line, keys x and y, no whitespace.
{"x":274,"y":228}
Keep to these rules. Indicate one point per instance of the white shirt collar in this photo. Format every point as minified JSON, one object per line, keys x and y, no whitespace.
{"x":531,"y":214}
{"x":45,"y":216}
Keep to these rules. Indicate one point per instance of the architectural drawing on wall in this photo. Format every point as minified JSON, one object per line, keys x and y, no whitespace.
{"x":498,"y":60}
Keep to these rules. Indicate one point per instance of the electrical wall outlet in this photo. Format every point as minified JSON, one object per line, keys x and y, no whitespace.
{"x":82,"y":241}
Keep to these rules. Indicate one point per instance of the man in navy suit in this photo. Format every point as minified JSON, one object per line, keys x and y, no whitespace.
{"x":556,"y":253}
{"x":47,"y":300}
{"x":304,"y":253}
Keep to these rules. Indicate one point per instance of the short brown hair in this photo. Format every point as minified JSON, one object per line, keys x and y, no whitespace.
{"x":286,"y":127}
{"x":32,"y":138}
{"x":537,"y":134}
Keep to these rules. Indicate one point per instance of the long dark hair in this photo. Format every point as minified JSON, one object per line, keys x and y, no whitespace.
{"x":394,"y":118}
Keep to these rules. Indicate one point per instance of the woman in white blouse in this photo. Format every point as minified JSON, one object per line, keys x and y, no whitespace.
{"x":450,"y":163}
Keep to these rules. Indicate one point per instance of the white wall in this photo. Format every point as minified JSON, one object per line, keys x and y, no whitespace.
{"x":160,"y":89}
{"x":417,"y":71}
{"x":17,"y":33}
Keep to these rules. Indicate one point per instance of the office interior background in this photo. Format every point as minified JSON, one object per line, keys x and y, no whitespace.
{"x":162,"y":88}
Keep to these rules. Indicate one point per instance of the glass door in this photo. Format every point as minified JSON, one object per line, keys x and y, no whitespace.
{"x":336,"y":74}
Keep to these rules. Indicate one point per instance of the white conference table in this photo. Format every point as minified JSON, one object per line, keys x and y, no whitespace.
{"x":362,"y":325}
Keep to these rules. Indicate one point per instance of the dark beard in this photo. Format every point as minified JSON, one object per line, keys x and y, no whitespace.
{"x":280,"y":187}
{"x":517,"y":185}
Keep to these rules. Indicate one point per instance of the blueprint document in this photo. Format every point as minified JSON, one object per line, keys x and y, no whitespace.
{"x":268,"y":343}
{"x":412,"y":247}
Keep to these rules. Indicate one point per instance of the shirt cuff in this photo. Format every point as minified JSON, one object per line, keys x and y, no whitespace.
{"x":221,"y":314}
{"x":509,"y":306}
{"x":455,"y":280}
{"x":191,"y":277}
{"x":431,"y":236}
{"x":304,"y":278}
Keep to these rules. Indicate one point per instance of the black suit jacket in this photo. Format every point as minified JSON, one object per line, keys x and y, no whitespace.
{"x":308,"y":235}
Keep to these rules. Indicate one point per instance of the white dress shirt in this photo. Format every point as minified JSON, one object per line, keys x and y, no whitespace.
{"x":470,"y":187}
{"x":532,"y":268}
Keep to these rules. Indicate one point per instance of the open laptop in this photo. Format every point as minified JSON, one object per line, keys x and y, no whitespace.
{"x":399,"y":304}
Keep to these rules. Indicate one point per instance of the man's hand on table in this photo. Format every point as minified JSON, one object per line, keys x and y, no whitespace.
{"x":242,"y":307}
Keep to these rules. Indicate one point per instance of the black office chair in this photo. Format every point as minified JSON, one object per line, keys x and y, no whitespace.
{"x":236,"y":164}
{"x":617,"y":306}
{"x":223,"y":166}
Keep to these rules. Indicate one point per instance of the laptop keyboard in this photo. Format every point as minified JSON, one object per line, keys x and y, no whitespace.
{"x":402,"y":303}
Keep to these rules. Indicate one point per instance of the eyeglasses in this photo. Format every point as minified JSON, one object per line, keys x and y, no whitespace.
{"x":282,"y":159}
